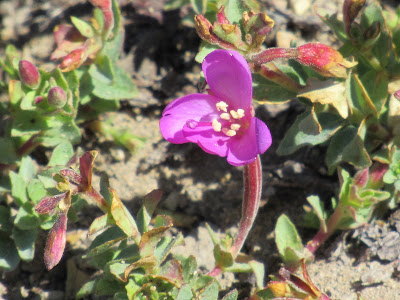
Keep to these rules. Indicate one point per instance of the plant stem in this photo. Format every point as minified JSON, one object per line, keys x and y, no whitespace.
{"x":252,"y":177}
{"x":322,"y":235}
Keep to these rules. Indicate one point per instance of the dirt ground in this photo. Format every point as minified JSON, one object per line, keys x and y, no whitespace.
{"x":199,"y":188}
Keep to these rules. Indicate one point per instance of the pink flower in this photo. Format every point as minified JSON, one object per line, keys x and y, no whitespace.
{"x":221,"y":122}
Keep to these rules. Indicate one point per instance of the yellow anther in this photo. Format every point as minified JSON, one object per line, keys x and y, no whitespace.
{"x":216,"y":125}
{"x":235,"y":126}
{"x":225,"y":116}
{"x":234,"y":114}
{"x":237,"y":114}
{"x":228,"y":132}
{"x":222,"y":106}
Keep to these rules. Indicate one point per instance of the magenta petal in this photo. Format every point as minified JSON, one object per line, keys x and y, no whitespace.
{"x":210,"y":141}
{"x":245,"y":149}
{"x":229,"y":77}
{"x":198,"y":107}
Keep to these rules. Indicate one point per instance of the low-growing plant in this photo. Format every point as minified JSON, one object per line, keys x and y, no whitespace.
{"x":351,"y":108}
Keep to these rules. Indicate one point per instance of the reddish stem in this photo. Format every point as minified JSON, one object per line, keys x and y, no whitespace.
{"x":252,"y":175}
{"x":322,"y":235}
{"x":215,"y":272}
{"x":271,"y":54}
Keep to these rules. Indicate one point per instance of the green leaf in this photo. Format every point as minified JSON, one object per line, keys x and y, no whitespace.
{"x":5,"y":219}
{"x":146,"y":211}
{"x":27,"y":170}
{"x":123,"y":218}
{"x":25,"y":242}
{"x":8,"y":154}
{"x":205,"y":49}
{"x":108,"y":287}
{"x":60,"y":130}
{"x":15,"y":93}
{"x":26,"y":218}
{"x":185,"y":293}
{"x":18,"y":188}
{"x":266,"y":91}
{"x":9,"y":257}
{"x":232,"y":295}
{"x":347,"y":146}
{"x":287,"y":240}
{"x":189,"y":266}
{"x":199,"y":6}
{"x":87,"y":289}
{"x":318,"y":209}
{"x":334,"y":24}
{"x":223,"y":258}
{"x":117,"y":29}
{"x":112,"y":48}
{"x":234,"y":11}
{"x":61,"y":154}
{"x":210,"y":292}
{"x":108,"y":87}
{"x":36,"y":190}
{"x":83,"y":27}
{"x":376,"y":85}
{"x":309,"y":130}
{"x":150,"y":239}
{"x":259,"y":271}
{"x":60,"y":79}
{"x":99,"y":223}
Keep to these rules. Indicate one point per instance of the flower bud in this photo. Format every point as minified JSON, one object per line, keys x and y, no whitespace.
{"x":377,"y":172}
{"x":56,"y":241}
{"x":38,"y":100}
{"x":57,"y":97}
{"x":48,"y":204}
{"x":324,"y":59}
{"x":257,"y":27}
{"x":397,"y":94}
{"x":74,"y":59}
{"x":361,"y":178}
{"x":29,"y":74}
{"x":106,"y":8}
{"x":205,"y":31}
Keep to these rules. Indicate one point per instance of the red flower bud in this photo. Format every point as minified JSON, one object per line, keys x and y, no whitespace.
{"x":38,"y":100}
{"x":29,"y":74}
{"x":361,"y":178}
{"x":221,"y":17}
{"x":324,"y":59}
{"x":48,"y":204}
{"x":74,"y":59}
{"x":106,"y":8}
{"x":376,"y":175}
{"x":397,"y":94}
{"x":56,"y":241}
{"x":57,"y":97}
{"x":205,"y":31}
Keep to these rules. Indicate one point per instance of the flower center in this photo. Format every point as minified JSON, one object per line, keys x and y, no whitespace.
{"x":229,"y":123}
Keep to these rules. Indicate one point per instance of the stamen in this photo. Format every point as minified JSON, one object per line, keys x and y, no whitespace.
{"x":228,"y":132}
{"x":234,"y":114}
{"x":216,"y":125}
{"x":237,"y":114}
{"x":225,"y":116}
{"x":222,"y":106}
{"x":235,"y":126}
